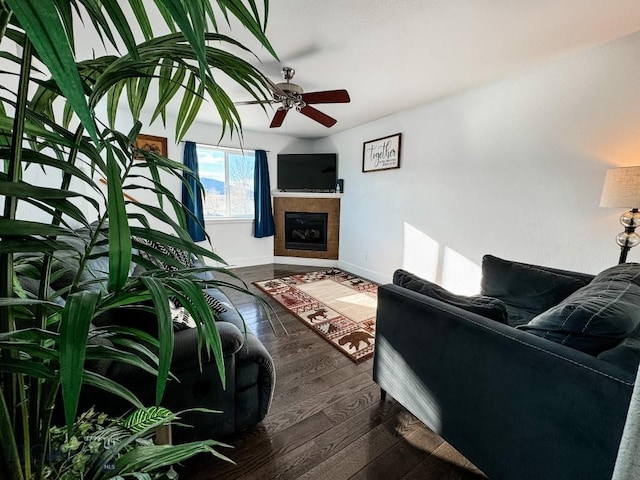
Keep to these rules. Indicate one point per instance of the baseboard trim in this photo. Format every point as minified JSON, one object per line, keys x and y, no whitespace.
{"x":242,"y":262}
{"x":313,"y":262}
{"x":363,"y":272}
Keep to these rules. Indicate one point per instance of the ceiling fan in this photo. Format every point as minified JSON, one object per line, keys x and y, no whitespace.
{"x":291,"y":95}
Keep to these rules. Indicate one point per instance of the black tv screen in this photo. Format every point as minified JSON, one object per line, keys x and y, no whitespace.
{"x":307,"y":171}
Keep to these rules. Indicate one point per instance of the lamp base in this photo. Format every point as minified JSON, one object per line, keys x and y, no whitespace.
{"x":628,"y":239}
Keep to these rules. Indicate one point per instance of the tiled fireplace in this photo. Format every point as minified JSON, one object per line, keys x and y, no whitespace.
{"x":307,"y":225}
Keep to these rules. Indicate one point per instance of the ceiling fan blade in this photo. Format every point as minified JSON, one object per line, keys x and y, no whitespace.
{"x":275,"y":88}
{"x":318,"y":116}
{"x":254,"y":102}
{"x":278,"y":118}
{"x":326,"y":96}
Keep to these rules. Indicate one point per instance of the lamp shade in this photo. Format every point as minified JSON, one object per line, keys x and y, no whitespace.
{"x":621,"y":188}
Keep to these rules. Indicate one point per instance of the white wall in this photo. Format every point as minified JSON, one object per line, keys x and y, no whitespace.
{"x":514,"y":168}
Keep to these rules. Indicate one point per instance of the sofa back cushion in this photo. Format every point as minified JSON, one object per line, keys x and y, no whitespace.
{"x":531,"y":288}
{"x":596,"y":317}
{"x":486,"y":306}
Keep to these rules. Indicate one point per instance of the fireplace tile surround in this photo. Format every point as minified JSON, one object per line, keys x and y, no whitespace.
{"x":328,"y":203}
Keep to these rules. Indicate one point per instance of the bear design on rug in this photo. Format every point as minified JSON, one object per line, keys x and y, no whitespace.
{"x":354,"y":339}
{"x":321,"y":312}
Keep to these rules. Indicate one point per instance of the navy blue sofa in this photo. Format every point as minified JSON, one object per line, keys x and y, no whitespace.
{"x":503,"y":386}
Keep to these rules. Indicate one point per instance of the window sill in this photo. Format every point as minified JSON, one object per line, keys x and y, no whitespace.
{"x":227,"y":220}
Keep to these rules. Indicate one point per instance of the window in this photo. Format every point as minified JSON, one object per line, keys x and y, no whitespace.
{"x":227,"y":177}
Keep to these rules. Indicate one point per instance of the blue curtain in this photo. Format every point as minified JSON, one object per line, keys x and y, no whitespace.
{"x":264,"y":226}
{"x":192,"y":200}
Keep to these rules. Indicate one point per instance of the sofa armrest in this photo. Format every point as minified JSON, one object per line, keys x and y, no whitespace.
{"x":185,"y":353}
{"x":518,"y":406}
{"x":231,"y":315}
{"x":255,"y":352}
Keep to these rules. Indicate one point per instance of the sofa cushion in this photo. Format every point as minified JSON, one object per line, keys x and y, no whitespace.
{"x":182,"y":318}
{"x":482,"y":305}
{"x":626,"y":354}
{"x":518,"y":316}
{"x":596,"y":317}
{"x":528,"y":287}
{"x":178,"y":258}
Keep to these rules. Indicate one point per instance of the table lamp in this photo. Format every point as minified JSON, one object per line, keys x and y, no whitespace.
{"x":622,"y":189}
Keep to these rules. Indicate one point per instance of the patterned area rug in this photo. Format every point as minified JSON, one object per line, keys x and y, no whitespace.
{"x":337,"y":305}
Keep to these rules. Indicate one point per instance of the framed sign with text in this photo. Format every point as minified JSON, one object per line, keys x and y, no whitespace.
{"x":381,"y":153}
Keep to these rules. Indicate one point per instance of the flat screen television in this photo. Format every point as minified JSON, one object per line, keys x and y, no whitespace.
{"x":307,"y":171}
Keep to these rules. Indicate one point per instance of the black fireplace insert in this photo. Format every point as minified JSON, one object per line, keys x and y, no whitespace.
{"x":305,"y":231}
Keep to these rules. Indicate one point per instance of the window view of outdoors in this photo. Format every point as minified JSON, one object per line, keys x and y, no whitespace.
{"x":227,"y":178}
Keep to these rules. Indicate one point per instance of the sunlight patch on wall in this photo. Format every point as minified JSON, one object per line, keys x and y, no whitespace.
{"x":425,"y":257}
{"x":459,"y":274}
{"x":421,"y":254}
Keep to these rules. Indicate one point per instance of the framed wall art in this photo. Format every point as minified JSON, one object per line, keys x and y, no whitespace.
{"x":152,"y":143}
{"x":381,"y":153}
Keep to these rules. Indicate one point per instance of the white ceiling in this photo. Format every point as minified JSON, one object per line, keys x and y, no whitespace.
{"x":394,"y":54}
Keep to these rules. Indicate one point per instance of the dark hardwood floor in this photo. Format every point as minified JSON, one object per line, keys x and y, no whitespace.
{"x":326,"y":420}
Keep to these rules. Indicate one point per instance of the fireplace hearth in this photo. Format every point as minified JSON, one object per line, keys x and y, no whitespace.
{"x":305,"y":231}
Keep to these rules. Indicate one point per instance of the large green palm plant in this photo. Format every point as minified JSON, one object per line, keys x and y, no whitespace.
{"x":49,"y":121}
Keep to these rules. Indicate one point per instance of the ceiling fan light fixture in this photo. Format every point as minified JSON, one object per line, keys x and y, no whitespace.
{"x":290,"y":88}
{"x":288,"y":73}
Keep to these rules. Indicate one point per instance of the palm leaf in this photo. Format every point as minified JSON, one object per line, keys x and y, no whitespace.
{"x":30,"y":334}
{"x":74,"y":329}
{"x":30,"y":368}
{"x":193,"y":31}
{"x":128,"y":332}
{"x":165,"y":332}
{"x":136,"y":346}
{"x":30,"y":244}
{"x":11,"y":465}
{"x":155,"y":457}
{"x":98,"y":20}
{"x":5,"y":15}
{"x":249,"y":21}
{"x":168,"y":86}
{"x":119,"y":235}
{"x":188,"y":112}
{"x":192,"y":298}
{"x":57,"y":207}
{"x":70,"y":97}
{"x":118,"y":19}
{"x":95,"y":380}
{"x":103,"y":352}
{"x":45,"y":30}
{"x":177,"y":242}
{"x":140,"y":12}
{"x":113,"y":99}
{"x":30,"y":349}
{"x":25,"y":190}
{"x":18,"y":228}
